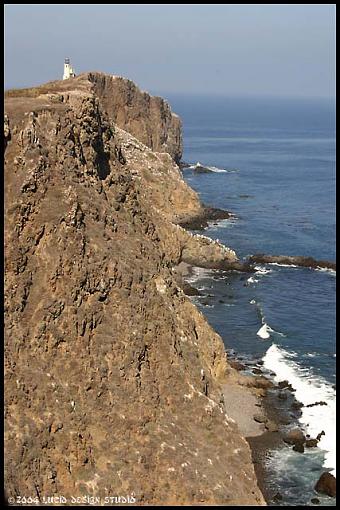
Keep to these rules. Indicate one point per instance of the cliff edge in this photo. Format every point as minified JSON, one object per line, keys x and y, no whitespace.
{"x":113,"y":379}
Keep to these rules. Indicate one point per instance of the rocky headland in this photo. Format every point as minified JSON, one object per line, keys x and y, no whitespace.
{"x":115,"y":384}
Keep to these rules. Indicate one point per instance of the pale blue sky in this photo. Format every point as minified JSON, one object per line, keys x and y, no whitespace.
{"x":277,"y":49}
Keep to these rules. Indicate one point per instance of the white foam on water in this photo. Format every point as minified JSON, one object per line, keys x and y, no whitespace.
{"x":322,"y":269}
{"x":309,"y":389}
{"x":281,"y":265}
{"x":211,"y":168}
{"x":263,"y":332}
{"x":225,"y":223}
{"x":198,"y":273}
{"x":252,"y":280}
{"x":217,"y":170}
{"x":326,"y":270}
{"x":274,"y":331}
{"x":261,"y":271}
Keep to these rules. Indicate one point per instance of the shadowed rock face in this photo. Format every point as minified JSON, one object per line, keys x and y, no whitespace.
{"x":106,"y":360}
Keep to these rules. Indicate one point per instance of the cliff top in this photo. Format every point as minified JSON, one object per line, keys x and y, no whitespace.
{"x":148,"y":118}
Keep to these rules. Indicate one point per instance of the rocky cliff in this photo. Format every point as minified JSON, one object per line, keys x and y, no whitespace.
{"x":148,"y":118}
{"x":112,"y":377}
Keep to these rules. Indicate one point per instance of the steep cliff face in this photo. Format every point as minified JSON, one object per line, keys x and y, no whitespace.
{"x":106,"y":360}
{"x":148,"y":118}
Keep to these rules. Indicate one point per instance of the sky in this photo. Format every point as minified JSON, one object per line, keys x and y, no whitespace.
{"x":285,"y":50}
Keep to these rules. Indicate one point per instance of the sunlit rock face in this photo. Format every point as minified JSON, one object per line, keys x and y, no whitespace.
{"x":112,"y":376}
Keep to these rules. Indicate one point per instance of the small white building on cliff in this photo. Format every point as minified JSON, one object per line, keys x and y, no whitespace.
{"x":68,"y":70}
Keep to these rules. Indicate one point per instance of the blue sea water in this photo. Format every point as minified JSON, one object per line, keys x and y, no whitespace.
{"x":279,"y":181}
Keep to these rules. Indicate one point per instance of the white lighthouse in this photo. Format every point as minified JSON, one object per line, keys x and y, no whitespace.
{"x":68,"y":70}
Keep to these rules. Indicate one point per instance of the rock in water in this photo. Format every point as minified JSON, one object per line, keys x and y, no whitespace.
{"x":298,"y":447}
{"x":311,"y":443}
{"x":294,"y":436}
{"x":293,"y":260}
{"x":319,"y":436}
{"x":326,"y":484}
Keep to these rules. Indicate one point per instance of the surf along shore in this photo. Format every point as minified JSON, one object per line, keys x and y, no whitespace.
{"x":266,"y":411}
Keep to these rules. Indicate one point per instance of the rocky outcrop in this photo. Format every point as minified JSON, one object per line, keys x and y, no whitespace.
{"x":148,"y":118}
{"x":200,"y":220}
{"x":293,"y":260}
{"x":199,"y":250}
{"x":326,"y":484}
{"x":106,"y":360}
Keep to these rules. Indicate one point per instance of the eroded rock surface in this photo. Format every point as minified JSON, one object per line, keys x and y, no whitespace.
{"x":112,"y":377}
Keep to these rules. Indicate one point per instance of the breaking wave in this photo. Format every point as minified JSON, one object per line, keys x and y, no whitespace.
{"x":214,"y":169}
{"x":309,"y":389}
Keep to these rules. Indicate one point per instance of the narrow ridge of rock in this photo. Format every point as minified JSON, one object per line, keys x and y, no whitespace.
{"x":106,"y":360}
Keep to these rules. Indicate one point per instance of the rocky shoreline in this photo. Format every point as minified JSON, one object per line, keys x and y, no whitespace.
{"x":200,"y":222}
{"x":104,"y":353}
{"x":266,"y":412}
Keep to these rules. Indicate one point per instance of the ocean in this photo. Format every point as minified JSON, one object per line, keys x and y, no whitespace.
{"x":273,"y":163}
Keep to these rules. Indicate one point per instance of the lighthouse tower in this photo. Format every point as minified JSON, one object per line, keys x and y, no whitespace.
{"x":68,"y":70}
